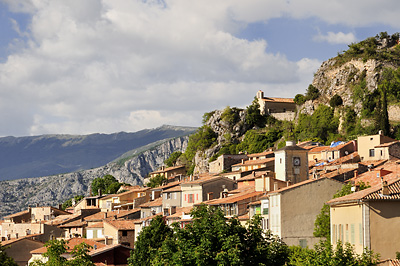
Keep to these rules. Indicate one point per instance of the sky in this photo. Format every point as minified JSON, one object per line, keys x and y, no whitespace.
{"x":105,"y":66}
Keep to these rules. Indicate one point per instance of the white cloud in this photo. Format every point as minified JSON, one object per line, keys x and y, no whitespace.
{"x":111,"y":65}
{"x":335,"y":38}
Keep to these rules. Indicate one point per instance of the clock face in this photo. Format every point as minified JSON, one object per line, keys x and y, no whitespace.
{"x":296,"y":161}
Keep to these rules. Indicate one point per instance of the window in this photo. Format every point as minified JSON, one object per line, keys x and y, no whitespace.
{"x":352,"y":233}
{"x":124,"y":233}
{"x":191,"y":199}
{"x":303,"y":243}
{"x":371,"y":153}
{"x":210,"y":196}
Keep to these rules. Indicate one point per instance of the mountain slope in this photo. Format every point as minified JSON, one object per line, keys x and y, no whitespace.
{"x":17,"y":195}
{"x":22,"y":157}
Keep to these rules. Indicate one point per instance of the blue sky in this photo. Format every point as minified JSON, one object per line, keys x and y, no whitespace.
{"x":80,"y":67}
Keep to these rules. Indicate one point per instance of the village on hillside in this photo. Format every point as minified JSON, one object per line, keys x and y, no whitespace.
{"x":287,"y":187}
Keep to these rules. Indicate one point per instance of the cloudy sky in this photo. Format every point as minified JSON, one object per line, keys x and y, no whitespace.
{"x":80,"y":67}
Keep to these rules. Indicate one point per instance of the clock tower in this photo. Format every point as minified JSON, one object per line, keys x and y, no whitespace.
{"x":291,"y":163}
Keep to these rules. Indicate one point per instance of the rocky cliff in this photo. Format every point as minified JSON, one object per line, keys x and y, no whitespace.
{"x":17,"y":195}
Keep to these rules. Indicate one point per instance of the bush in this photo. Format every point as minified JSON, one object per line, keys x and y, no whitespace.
{"x":299,"y":99}
{"x":312,"y":93}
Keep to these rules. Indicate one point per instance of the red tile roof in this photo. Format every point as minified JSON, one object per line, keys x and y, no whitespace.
{"x":281,"y":100}
{"x":154,"y":203}
{"x":235,"y":198}
{"x":71,"y":243}
{"x":372,"y":193}
{"x":17,"y":214}
{"x":255,"y":162}
{"x":122,"y":225}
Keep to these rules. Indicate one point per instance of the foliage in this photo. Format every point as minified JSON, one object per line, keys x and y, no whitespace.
{"x":211,"y":239}
{"x":299,"y":99}
{"x":149,"y":241}
{"x":335,"y":101}
{"x":80,"y":255}
{"x":68,"y":203}
{"x":230,"y":116}
{"x":55,"y":248}
{"x":253,"y":117}
{"x":255,"y":142}
{"x":5,"y":260}
{"x":204,"y":138}
{"x":207,"y":116}
{"x":324,"y":254}
{"x":156,"y":181}
{"x":320,"y":125}
{"x":107,"y":184}
{"x":322,"y":227}
{"x":171,"y":161}
{"x":312,"y":93}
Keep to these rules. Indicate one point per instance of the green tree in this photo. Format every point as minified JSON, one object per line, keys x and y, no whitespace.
{"x":324,"y":254}
{"x":253,"y":116}
{"x":156,"y":181}
{"x":5,"y":260}
{"x":80,"y":255}
{"x":149,"y":241}
{"x":312,"y":92}
{"x":299,"y":99}
{"x":55,"y":248}
{"x":68,"y":203}
{"x":171,"y":161}
{"x":107,"y":184}
{"x":211,"y":239}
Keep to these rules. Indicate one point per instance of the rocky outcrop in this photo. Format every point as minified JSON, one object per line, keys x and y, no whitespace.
{"x":17,"y":195}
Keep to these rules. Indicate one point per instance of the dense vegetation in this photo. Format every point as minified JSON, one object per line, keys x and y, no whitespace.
{"x":106,"y":184}
{"x":57,"y":248}
{"x":68,"y":203}
{"x":210,"y":239}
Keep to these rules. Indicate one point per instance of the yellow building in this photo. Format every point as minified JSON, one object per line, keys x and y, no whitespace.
{"x":367,"y":146}
{"x":369,"y":219}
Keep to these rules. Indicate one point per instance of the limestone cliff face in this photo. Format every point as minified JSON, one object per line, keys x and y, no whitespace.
{"x":332,"y":78}
{"x":17,"y":195}
{"x":226,"y":132}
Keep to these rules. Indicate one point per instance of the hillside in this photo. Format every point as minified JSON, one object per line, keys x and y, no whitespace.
{"x":23,"y":157}
{"x":355,"y":93}
{"x":17,"y":195}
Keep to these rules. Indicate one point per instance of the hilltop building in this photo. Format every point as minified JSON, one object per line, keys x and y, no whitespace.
{"x":280,"y":108}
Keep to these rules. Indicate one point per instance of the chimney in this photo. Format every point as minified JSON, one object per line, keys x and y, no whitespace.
{"x":254,"y":173}
{"x":380,"y":132}
{"x":99,"y":192}
{"x":385,"y":188}
{"x":355,"y":173}
{"x":105,"y":215}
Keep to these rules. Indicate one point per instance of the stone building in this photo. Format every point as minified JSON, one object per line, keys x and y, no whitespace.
{"x":280,"y":108}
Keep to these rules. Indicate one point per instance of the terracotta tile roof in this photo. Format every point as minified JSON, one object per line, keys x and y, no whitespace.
{"x":71,"y":243}
{"x":138,"y":221}
{"x":258,"y":202}
{"x":253,"y":175}
{"x":275,"y":99}
{"x":167,"y":169}
{"x":14,"y":240}
{"x":350,"y":158}
{"x":122,"y":225}
{"x":179,"y":212}
{"x":318,"y":149}
{"x":172,"y":184}
{"x":234,"y":198}
{"x":77,"y":223}
{"x":299,"y":185}
{"x":372,"y":193}
{"x":260,"y":154}
{"x":173,"y":189}
{"x":242,"y":189}
{"x":154,"y":203}
{"x":16,"y":214}
{"x":244,"y":217}
{"x":61,"y":219}
{"x":255,"y":162}
{"x":388,"y":144}
{"x":105,"y":249}
{"x":348,"y":172}
{"x":96,"y":225}
{"x":204,"y":179}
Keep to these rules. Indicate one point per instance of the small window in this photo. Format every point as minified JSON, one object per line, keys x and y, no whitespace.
{"x":191,"y":199}
{"x":372,"y":153}
{"x":124,"y":233}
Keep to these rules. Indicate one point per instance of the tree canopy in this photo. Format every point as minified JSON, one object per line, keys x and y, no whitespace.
{"x":210,"y":239}
{"x":107,"y":184}
{"x":6,"y":260}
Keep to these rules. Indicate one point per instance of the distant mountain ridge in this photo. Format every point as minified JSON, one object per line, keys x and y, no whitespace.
{"x":16,"y":195}
{"x":45,"y":155}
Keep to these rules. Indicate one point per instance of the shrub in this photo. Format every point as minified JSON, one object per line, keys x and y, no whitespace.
{"x":335,"y":101}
